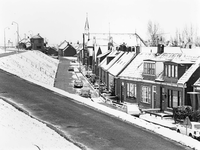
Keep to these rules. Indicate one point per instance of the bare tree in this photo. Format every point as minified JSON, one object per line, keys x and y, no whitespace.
{"x":153,"y":31}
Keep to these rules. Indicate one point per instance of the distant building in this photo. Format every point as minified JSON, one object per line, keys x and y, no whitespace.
{"x":25,"y":44}
{"x":51,"y":51}
{"x":37,"y":42}
{"x":66,"y":49}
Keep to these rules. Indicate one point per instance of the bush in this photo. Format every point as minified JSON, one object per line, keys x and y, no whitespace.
{"x":181,"y":112}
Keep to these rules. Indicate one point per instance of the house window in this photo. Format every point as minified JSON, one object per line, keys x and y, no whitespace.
{"x":165,"y":70}
{"x":176,"y":71}
{"x":149,"y":68}
{"x":179,"y":98}
{"x":169,"y":71}
{"x":172,"y":71}
{"x":146,"y":94}
{"x":169,"y":98}
{"x":131,"y":91}
{"x":174,"y":98}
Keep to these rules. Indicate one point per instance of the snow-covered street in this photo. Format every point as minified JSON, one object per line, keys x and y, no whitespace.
{"x":20,"y":131}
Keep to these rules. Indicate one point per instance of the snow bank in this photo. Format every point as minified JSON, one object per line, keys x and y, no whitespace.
{"x":33,"y":65}
{"x":19,"y":131}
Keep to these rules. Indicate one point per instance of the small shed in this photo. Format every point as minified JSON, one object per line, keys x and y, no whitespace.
{"x":66,"y":49}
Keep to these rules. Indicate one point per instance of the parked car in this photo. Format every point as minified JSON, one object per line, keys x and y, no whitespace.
{"x":88,"y":74}
{"x":192,"y":130}
{"x":96,"y":86}
{"x":71,"y":68}
{"x":85,"y":93}
{"x":74,"y":63}
{"x":133,"y":109}
{"x":78,"y":83}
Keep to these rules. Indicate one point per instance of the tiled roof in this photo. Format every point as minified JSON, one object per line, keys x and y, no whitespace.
{"x":116,"y":57}
{"x":121,"y":63}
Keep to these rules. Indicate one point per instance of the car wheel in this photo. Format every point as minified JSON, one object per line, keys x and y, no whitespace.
{"x":190,"y":135}
{"x":178,"y":131}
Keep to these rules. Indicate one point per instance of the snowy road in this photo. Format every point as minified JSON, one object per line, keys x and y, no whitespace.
{"x":79,"y":123}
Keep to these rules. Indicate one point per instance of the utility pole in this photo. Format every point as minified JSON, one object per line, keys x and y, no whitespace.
{"x":17,"y":34}
{"x":5,"y":37}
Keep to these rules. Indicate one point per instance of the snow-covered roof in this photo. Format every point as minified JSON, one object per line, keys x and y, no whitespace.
{"x":197,"y":83}
{"x":135,"y":68}
{"x":63,"y":45}
{"x":103,"y":54}
{"x":128,"y":39}
{"x":191,"y":52}
{"x":113,"y":61}
{"x":36,"y":36}
{"x":112,"y":54}
{"x":186,"y":76}
{"x":104,"y":48}
{"x":121,"y":63}
{"x":172,"y":50}
{"x":148,"y":49}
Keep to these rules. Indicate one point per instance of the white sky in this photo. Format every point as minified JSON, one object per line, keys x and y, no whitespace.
{"x":59,"y":20}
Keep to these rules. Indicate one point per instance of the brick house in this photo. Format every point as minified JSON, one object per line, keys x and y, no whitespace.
{"x":37,"y":42}
{"x":158,"y":79}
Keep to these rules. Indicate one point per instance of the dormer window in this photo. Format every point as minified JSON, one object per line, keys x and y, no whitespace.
{"x":149,"y":68}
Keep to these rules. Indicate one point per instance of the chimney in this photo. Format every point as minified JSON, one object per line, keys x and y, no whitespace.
{"x":129,"y":49}
{"x":160,"y":49}
{"x":137,"y":50}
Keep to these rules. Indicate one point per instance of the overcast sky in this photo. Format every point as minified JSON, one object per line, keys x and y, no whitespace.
{"x":59,"y":20}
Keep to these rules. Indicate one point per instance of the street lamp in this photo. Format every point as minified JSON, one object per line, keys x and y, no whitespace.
{"x":17,"y":33}
{"x":5,"y":37}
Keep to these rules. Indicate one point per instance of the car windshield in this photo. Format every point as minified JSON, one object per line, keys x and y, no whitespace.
{"x":197,"y":126}
{"x":78,"y":81}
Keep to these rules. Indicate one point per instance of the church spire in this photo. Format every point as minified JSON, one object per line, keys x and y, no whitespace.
{"x":87,"y":27}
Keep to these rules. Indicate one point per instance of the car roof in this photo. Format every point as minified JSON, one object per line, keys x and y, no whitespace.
{"x":194,"y":123}
{"x":78,"y":80}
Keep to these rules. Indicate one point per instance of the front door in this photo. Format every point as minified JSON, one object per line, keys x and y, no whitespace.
{"x":162,"y":98}
{"x":153,"y":96}
{"x":122,"y":92}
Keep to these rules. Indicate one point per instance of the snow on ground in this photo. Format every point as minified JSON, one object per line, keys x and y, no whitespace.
{"x":18,"y":131}
{"x":23,"y":133}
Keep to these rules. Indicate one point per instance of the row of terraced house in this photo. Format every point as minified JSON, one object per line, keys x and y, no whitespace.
{"x":154,"y":77}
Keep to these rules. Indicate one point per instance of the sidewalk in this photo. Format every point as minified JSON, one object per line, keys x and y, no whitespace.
{"x":167,"y":122}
